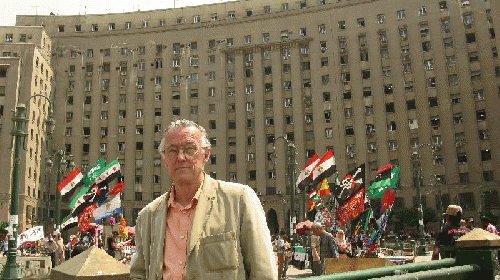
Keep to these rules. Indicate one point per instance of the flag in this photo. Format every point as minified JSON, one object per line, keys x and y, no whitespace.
{"x":352,"y":183}
{"x":108,"y":209}
{"x":352,"y":208}
{"x":69,"y":222}
{"x":117,"y":189}
{"x":73,"y":180}
{"x":94,"y":172}
{"x":79,"y":198}
{"x":312,"y":194}
{"x":111,"y":171}
{"x":32,"y":234}
{"x":324,"y":189}
{"x":387,"y":177}
{"x":324,"y":168}
{"x":388,"y":200}
{"x":304,"y":180}
{"x":85,"y":217}
{"x":313,"y":200}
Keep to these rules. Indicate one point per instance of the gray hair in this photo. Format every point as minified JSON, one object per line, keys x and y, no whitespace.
{"x":317,"y":226}
{"x":180,"y":124}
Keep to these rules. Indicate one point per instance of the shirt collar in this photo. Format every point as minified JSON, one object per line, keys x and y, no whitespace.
{"x":194,"y":200}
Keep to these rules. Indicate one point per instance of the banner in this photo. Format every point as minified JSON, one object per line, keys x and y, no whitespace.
{"x":351,"y":209}
{"x":32,"y":234}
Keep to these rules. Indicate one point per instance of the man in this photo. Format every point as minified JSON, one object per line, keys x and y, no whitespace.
{"x":445,"y":241}
{"x":283,"y":249}
{"x":51,"y":247}
{"x":327,"y":246}
{"x":59,"y":253}
{"x":111,"y":244}
{"x":488,"y":226}
{"x":202,"y":228}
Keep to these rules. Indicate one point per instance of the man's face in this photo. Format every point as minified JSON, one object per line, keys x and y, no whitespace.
{"x":183,"y":156}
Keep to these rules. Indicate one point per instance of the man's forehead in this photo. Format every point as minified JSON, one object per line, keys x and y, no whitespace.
{"x":183,"y":135}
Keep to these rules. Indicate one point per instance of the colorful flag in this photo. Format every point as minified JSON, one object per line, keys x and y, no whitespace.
{"x":324,"y":168}
{"x":352,"y":208}
{"x":324,"y":189}
{"x":312,"y":194}
{"x":94,"y":172}
{"x":73,"y":180}
{"x":388,"y":201}
{"x":79,"y":198}
{"x":85,"y":217}
{"x":352,"y":183}
{"x":117,"y":189}
{"x":387,"y":177}
{"x":108,"y":209}
{"x":111,"y":171}
{"x":69,"y":222}
{"x":304,"y":180}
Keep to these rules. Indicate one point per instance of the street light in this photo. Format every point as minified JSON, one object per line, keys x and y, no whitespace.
{"x":11,"y":269}
{"x":417,"y":168}
{"x":61,"y":159}
{"x":291,"y":175}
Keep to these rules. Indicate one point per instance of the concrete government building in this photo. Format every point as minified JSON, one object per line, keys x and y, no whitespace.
{"x":377,"y":81}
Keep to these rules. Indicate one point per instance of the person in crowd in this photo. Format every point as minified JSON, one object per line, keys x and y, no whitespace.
{"x":51,"y":247}
{"x":445,"y":241}
{"x":487,"y":225}
{"x":283,"y":249}
{"x":59,"y":253}
{"x":315,"y":255}
{"x":201,"y":228}
{"x":111,"y":244}
{"x":327,"y":245}
{"x":342,"y":245}
{"x":469,"y":223}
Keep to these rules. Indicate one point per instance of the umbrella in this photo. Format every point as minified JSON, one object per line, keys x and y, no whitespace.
{"x":130,"y":229}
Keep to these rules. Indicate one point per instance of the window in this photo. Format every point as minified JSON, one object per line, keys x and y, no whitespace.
{"x":462,"y":157}
{"x":411,"y":105}
{"x":455,"y":98}
{"x":381,"y":18}
{"x":328,"y":132}
{"x":321,"y":29}
{"x":468,"y":20}
{"x":433,"y":101}
{"x":78,"y":28}
{"x":361,"y":22}
{"x":448,"y":43}
{"x":326,"y":97}
{"x":349,"y":130}
{"x":401,"y":14}
{"x":342,"y":25}
{"x":391,"y":126}
{"x":445,"y":25}
{"x":473,"y":56}
{"x":467,"y":200}
{"x":470,"y":38}
{"x":481,"y":115}
{"x":483,"y":134}
{"x":386,"y":71}
{"x":422,"y":11}
{"x":413,"y":124}
{"x":443,"y":6}
{"x":490,"y":195}
{"x":231,"y":14}
{"x":485,"y":155}
{"x":365,"y":74}
{"x":94,"y":28}
{"x":431,"y":82}
{"x":464,"y":178}
{"x":389,"y":107}
{"x":368,"y":110}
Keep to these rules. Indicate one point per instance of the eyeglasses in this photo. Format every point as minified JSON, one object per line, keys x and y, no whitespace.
{"x":188,"y":150}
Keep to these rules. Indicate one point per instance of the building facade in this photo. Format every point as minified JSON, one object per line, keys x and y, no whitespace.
{"x":376,"y":81}
{"x":25,"y":71}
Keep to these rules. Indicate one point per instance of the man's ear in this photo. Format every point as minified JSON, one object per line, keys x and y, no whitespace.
{"x":207,"y":154}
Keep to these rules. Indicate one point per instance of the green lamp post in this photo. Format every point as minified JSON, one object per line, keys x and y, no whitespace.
{"x":11,"y":269}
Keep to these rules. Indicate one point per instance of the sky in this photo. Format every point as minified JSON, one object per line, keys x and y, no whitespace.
{"x":10,"y":8}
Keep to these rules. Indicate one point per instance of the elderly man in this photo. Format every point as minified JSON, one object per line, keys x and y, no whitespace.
{"x":327,"y":247}
{"x":202,"y":228}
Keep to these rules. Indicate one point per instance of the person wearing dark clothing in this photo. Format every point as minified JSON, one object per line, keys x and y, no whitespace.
{"x":111,"y":244}
{"x":327,"y":246}
{"x":445,"y":241}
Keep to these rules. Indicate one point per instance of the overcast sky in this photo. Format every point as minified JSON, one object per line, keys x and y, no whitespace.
{"x":10,"y":8}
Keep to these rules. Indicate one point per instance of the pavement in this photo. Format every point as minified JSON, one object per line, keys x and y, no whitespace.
{"x":294,"y":273}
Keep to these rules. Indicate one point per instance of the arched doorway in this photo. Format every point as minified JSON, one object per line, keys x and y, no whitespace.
{"x":272,"y":221}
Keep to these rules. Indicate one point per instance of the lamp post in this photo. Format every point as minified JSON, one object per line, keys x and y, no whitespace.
{"x":11,"y":270}
{"x":61,"y":159}
{"x":417,"y":169}
{"x":291,"y":175}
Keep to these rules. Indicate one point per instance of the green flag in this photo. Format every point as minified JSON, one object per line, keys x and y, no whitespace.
{"x":94,"y":172}
{"x":387,"y":177}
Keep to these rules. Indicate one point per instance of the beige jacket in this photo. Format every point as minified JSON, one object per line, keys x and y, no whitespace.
{"x":229,"y":238}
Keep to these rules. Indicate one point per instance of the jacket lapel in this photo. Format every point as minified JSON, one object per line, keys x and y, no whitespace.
{"x":159,"y":226}
{"x":201,"y":214}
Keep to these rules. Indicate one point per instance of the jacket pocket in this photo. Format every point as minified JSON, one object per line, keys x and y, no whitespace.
{"x":219,"y":251}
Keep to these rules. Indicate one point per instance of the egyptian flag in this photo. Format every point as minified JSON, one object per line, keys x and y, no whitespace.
{"x":352,"y":208}
{"x":72,"y":181}
{"x":325,"y":188}
{"x":69,"y":222}
{"x":324,"y":168}
{"x":352,"y":183}
{"x":304,"y":179}
{"x":111,"y":171}
{"x":387,"y":177}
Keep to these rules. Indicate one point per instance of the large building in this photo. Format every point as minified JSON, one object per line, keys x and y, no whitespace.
{"x":25,"y":71}
{"x":376,"y":81}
